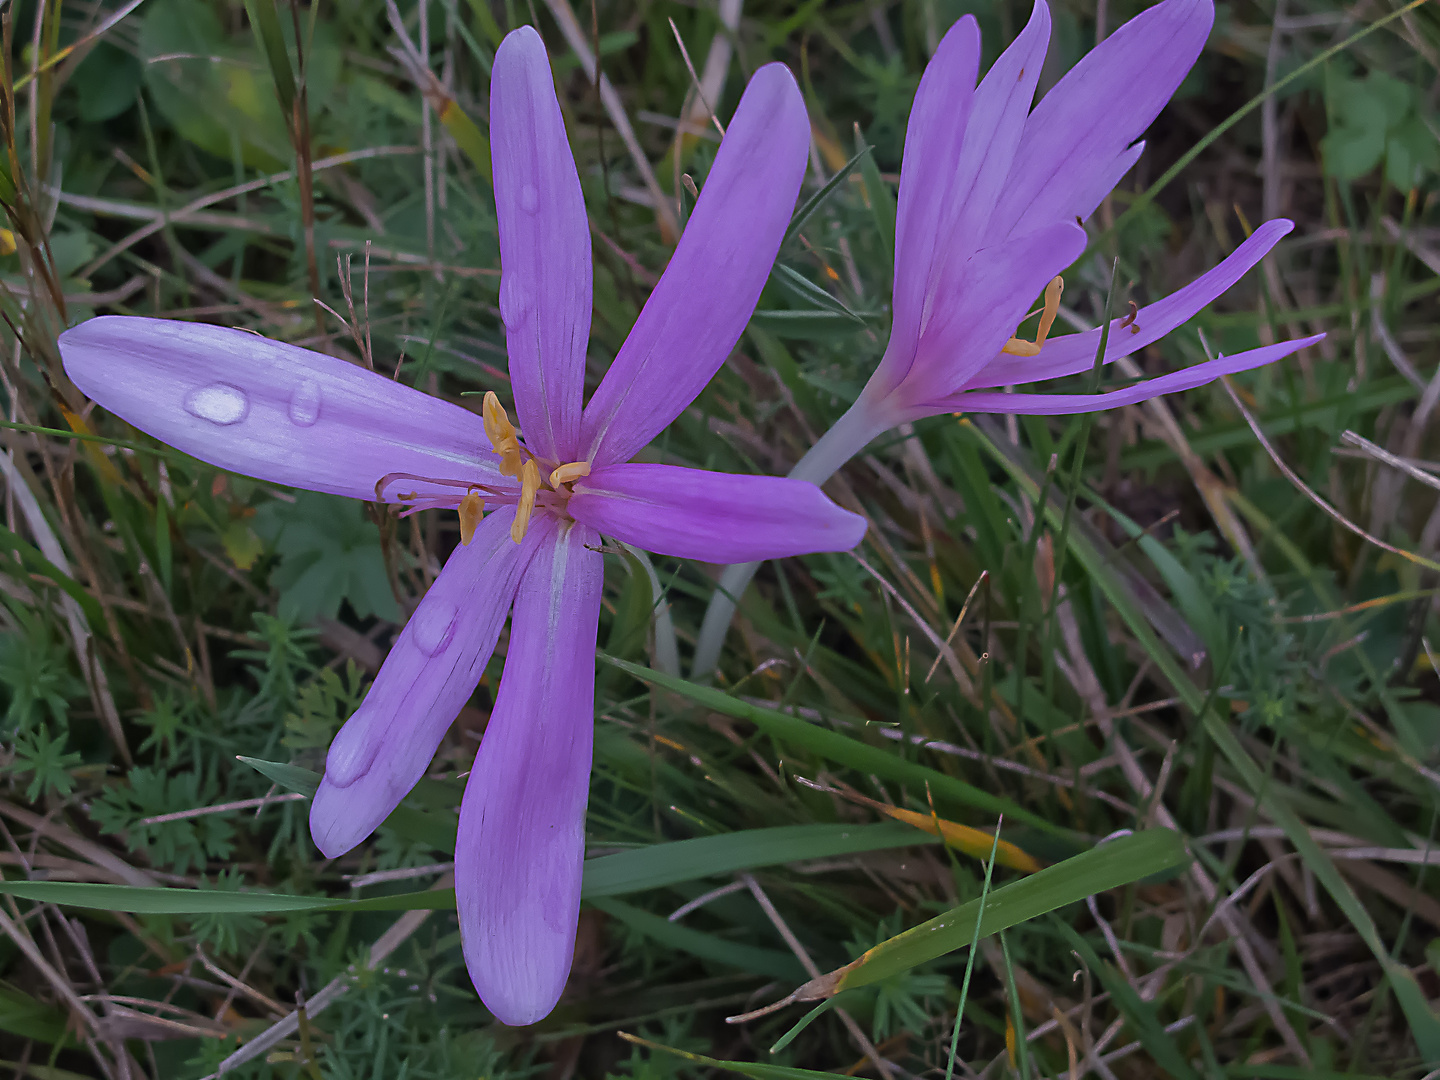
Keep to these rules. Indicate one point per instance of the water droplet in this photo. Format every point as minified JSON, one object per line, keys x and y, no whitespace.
{"x":352,"y":752}
{"x":433,"y":625}
{"x":305,"y":404}
{"x":220,"y":403}
{"x":529,"y":199}
{"x":514,"y":302}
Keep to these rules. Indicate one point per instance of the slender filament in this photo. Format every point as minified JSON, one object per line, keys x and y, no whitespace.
{"x":1019,"y":346}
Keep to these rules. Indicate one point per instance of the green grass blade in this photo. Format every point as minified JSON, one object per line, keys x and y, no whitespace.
{"x":609,"y":875}
{"x":841,"y":748}
{"x":877,"y":194}
{"x":290,"y":777}
{"x":706,"y":856}
{"x":138,"y":900}
{"x":769,"y":962}
{"x":467,"y":136}
{"x":757,"y":1070}
{"x":23,"y":1015}
{"x":807,"y":292}
{"x":817,"y":200}
{"x":266,"y":24}
{"x":1118,"y":862}
{"x":1139,"y":1013}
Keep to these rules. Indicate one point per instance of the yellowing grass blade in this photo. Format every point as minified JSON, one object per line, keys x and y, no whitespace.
{"x":974,"y":842}
{"x":102,"y":464}
{"x":466,"y":134}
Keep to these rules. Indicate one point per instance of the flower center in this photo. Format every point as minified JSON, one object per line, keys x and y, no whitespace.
{"x":1017,"y":346}
{"x":517,"y":461}
{"x":543,"y":484}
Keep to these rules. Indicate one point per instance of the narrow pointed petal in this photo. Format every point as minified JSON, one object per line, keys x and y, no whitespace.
{"x":1075,"y":353}
{"x":712,"y":517}
{"x":992,"y":136}
{"x":979,"y":143}
{"x":984,"y":302}
{"x":998,"y":123}
{"x":708,"y":292}
{"x":521,"y":843}
{"x":544,"y":247}
{"x":1084,"y":126}
{"x":985,"y":401}
{"x":434,"y":666}
{"x":273,"y":411}
{"x":934,"y":136}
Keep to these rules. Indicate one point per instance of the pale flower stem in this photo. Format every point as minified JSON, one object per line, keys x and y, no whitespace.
{"x":667,"y":648}
{"x":850,"y":434}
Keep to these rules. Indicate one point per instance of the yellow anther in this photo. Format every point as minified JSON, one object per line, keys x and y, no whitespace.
{"x":571,"y":471}
{"x":501,"y":434}
{"x":1019,"y":346}
{"x":472,"y":509}
{"x":529,"y":485}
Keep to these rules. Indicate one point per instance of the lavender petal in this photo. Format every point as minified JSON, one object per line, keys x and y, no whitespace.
{"x":521,"y":843}
{"x":273,"y":411}
{"x":433,"y":668}
{"x":544,"y":247}
{"x":984,"y":301}
{"x":1077,"y":142}
{"x":992,"y":141}
{"x":985,"y":401}
{"x":713,"y":517}
{"x":708,"y":292}
{"x":934,"y":137}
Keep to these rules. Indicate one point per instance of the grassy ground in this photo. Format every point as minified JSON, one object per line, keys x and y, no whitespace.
{"x":1143,"y":621}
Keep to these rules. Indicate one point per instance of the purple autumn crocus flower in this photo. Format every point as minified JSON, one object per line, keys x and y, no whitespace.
{"x":993,"y":196}
{"x":304,"y":419}
{"x":992,"y":200}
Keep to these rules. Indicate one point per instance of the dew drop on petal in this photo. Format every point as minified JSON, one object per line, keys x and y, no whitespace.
{"x":514,"y":302}
{"x":529,"y":199}
{"x":220,"y":403}
{"x":433,"y":625}
{"x":305,"y":404}
{"x":351,"y":753}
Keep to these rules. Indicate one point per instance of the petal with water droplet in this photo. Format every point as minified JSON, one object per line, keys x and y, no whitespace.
{"x":433,"y":668}
{"x":545,"y":271}
{"x":274,"y":411}
{"x":521,"y":845}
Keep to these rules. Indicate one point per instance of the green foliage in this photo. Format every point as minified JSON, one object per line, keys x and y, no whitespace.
{"x":329,"y":555}
{"x":207,"y":86}
{"x":45,"y":761}
{"x":106,"y":84}
{"x":37,"y":676}
{"x":283,"y":657}
{"x":170,"y":718}
{"x":230,"y":932}
{"x":324,"y":703}
{"x":1379,"y":118}
{"x":674,"y":1031}
{"x":172,"y":845}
